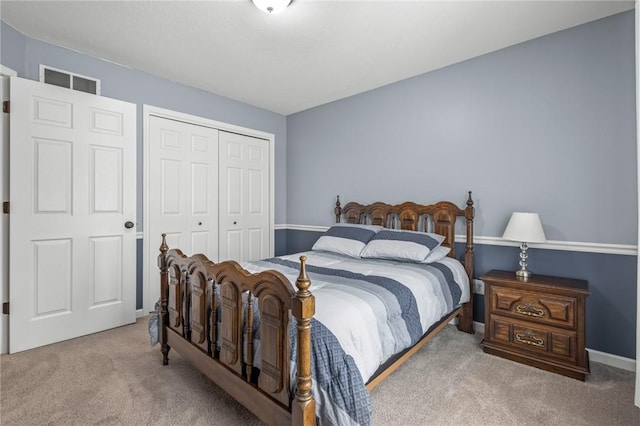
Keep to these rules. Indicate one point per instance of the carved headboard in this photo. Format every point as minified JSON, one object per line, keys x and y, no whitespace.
{"x":439,"y":218}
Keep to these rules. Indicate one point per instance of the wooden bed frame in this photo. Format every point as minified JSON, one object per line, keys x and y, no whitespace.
{"x":188,"y":308}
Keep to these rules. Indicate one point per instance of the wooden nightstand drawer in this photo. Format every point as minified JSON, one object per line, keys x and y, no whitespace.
{"x":525,"y":337}
{"x":534,"y":306}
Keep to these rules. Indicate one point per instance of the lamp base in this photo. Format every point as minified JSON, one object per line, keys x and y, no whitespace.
{"x":523,"y":273}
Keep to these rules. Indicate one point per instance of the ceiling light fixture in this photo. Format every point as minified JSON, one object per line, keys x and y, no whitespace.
{"x":271,"y":6}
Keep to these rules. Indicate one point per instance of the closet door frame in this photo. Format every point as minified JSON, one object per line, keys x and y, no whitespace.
{"x":149,"y":253}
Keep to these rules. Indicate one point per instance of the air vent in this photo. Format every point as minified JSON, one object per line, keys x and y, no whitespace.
{"x":69,"y":80}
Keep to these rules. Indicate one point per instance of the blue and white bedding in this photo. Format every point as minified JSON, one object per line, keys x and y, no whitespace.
{"x":366,"y":311}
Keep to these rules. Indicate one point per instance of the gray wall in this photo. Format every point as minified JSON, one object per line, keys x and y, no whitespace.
{"x":24,"y":55}
{"x":12,"y":48}
{"x":545,"y":126}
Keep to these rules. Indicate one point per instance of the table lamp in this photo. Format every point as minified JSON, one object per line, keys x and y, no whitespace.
{"x":525,"y":228}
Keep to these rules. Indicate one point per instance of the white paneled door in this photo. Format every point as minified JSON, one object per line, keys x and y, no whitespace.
{"x":244,"y":197}
{"x":72,"y":235}
{"x":183,"y":191}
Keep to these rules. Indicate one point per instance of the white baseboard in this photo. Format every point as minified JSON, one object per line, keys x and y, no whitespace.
{"x":594,"y":356}
{"x":612,"y":360}
{"x":140,"y":313}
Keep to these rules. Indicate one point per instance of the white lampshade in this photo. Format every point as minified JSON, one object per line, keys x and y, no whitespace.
{"x":525,"y":227}
{"x":271,"y":6}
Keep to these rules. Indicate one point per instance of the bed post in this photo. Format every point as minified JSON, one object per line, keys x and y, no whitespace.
{"x":466,"y":319}
{"x":164,"y":298}
{"x":337,"y":210}
{"x":303,"y":412}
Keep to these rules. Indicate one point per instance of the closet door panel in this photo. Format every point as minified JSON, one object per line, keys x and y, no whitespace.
{"x":183,"y":190}
{"x":244,"y":197}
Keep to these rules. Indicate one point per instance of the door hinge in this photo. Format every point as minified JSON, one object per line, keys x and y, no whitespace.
{"x":5,"y":308}
{"x":6,"y":106}
{"x":5,"y":207}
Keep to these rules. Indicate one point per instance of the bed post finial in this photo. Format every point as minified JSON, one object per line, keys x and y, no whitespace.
{"x":469,"y":214}
{"x":303,"y":307}
{"x":466,"y":319}
{"x":164,"y":248}
{"x":337,"y":210}
{"x":164,"y":299}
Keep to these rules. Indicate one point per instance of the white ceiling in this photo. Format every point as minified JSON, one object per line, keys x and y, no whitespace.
{"x":315,"y":52}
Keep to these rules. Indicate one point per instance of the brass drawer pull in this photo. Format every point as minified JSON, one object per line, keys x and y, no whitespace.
{"x":530,"y":310}
{"x":530,"y":339}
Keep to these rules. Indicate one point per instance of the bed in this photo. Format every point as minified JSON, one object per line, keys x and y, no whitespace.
{"x":309,"y":352}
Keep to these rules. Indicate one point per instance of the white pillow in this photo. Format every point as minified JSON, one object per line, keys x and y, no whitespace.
{"x":346,"y":238}
{"x":437,"y":254}
{"x":405,"y":246}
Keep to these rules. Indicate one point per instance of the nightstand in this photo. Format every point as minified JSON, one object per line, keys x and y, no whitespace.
{"x":539,"y":321}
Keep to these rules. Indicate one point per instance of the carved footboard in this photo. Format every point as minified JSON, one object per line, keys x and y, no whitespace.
{"x":207,"y":316}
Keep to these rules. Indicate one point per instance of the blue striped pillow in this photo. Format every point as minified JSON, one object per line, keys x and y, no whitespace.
{"x":348,"y":239}
{"x":405,"y":246}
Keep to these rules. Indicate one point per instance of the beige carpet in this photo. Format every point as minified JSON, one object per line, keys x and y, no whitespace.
{"x":116,"y":378}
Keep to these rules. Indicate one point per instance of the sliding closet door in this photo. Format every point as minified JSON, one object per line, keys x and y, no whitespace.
{"x":208,"y":190}
{"x":183,"y":190}
{"x":244,"y":197}
{"x":73,"y":206}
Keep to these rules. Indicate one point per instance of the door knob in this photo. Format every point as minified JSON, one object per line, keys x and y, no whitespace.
{"x":128,"y":224}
